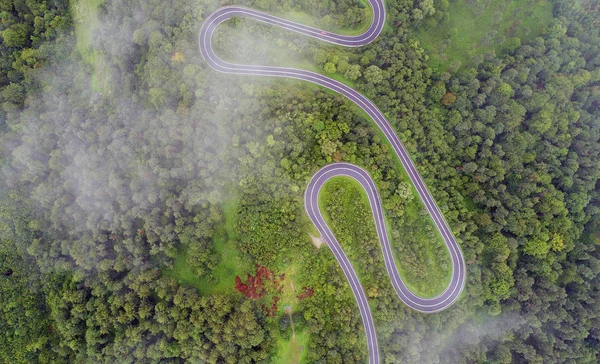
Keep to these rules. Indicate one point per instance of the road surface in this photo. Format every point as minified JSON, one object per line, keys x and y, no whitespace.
{"x":457,"y":281}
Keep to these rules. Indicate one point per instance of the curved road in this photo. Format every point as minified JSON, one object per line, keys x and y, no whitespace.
{"x":457,"y":281}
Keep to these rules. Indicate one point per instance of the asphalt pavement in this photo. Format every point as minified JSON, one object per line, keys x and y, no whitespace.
{"x":457,"y":281}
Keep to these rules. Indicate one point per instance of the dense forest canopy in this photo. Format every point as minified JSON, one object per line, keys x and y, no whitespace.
{"x":139,"y":185}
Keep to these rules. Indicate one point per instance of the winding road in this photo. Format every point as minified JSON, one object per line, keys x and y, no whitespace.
{"x":311,"y":203}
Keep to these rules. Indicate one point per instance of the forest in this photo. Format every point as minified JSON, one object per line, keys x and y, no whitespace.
{"x":151,"y":209}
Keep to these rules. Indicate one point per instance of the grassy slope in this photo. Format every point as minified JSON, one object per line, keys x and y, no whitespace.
{"x":291,"y":286}
{"x":470,"y":20}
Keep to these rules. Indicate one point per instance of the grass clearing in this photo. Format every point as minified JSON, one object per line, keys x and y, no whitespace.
{"x":291,"y":286}
{"x":182,"y":272}
{"x":86,"y":19}
{"x":231,"y":264}
{"x":290,"y":351}
{"x":474,"y":28}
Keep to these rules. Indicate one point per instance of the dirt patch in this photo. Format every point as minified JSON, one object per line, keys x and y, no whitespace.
{"x":295,"y":351}
{"x":317,"y":241}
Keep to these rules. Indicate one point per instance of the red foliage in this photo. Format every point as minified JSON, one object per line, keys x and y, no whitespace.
{"x":255,"y":286}
{"x":337,"y":156}
{"x":258,"y":285}
{"x":277,"y":286}
{"x":263,"y":272}
{"x":272,"y":310}
{"x":240,"y":286}
{"x":306,"y":293}
{"x":448,"y":99}
{"x":253,"y":289}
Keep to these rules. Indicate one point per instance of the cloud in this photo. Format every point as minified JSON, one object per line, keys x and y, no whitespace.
{"x":100,"y":157}
{"x":448,"y":345}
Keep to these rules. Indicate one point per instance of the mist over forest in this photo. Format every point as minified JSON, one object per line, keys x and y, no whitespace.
{"x":144,"y":194}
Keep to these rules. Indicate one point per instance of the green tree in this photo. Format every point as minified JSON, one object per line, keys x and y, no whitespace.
{"x":16,"y":35}
{"x":329,"y":67}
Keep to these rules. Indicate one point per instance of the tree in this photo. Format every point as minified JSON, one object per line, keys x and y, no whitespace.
{"x":329,"y":67}
{"x":511,"y":44}
{"x":353,"y":72}
{"x":448,"y":99}
{"x":16,"y":35}
{"x":373,"y":74}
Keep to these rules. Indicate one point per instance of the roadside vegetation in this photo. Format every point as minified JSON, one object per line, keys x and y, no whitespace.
{"x":355,"y":21}
{"x":346,"y":207}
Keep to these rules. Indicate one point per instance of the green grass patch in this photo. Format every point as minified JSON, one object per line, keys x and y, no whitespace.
{"x":86,"y":19}
{"x":474,"y":28}
{"x":289,"y":350}
{"x":291,"y":286}
{"x":420,"y":269}
{"x":232,"y":263}
{"x":182,"y":272}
